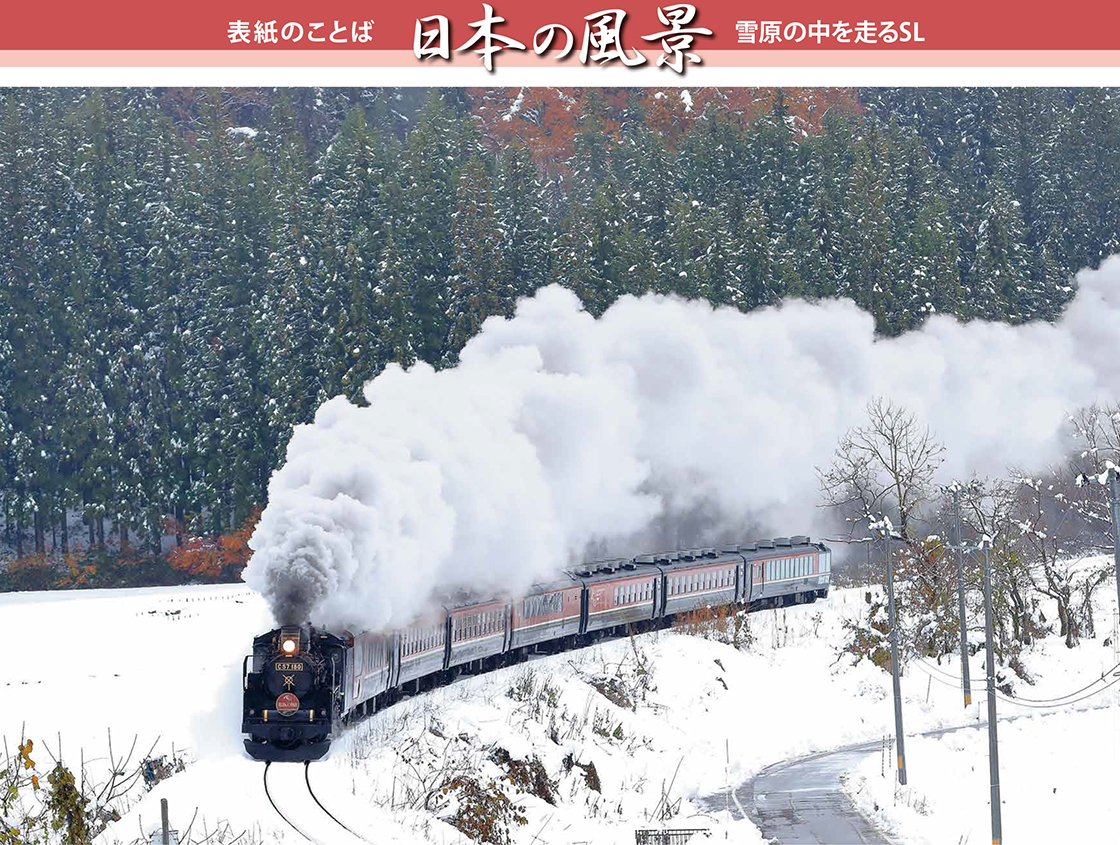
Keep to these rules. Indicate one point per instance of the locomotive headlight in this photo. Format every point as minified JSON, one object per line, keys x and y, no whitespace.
{"x":289,"y":646}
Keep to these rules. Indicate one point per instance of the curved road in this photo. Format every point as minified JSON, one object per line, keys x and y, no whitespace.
{"x":802,"y":801}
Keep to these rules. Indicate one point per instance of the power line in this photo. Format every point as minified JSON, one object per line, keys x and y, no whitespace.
{"x":1034,"y":700}
{"x":1024,"y":702}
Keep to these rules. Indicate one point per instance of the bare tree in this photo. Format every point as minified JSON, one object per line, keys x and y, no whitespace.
{"x":1055,"y":543}
{"x":886,"y":465}
{"x":988,"y":508}
{"x":1097,"y":444}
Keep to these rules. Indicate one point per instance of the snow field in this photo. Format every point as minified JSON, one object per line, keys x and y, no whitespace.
{"x":706,"y":715}
{"x":1056,"y":782}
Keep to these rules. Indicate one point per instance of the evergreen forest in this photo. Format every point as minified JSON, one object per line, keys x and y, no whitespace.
{"x":187,"y":274}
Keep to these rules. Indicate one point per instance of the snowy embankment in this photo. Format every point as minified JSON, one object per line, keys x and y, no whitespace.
{"x":1058,"y":741}
{"x":681,"y":718}
{"x":1056,"y":782}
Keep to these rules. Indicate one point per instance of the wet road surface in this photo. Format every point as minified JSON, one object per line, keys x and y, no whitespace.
{"x":802,"y":801}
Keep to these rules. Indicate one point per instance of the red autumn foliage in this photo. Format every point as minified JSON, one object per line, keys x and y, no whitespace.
{"x":208,"y":558}
{"x":547,"y":119}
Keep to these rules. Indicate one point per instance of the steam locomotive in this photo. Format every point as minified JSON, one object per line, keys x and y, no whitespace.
{"x":304,"y":684}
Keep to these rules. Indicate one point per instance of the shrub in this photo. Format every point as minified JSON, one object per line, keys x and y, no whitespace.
{"x":722,"y":623}
{"x":483,"y":811}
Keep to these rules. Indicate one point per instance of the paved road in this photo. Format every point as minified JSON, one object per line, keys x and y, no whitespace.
{"x":802,"y":801}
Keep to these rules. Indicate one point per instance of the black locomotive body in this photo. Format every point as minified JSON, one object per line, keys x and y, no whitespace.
{"x":292,"y":694}
{"x":305,"y":683}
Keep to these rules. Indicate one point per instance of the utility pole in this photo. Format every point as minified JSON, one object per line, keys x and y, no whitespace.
{"x":965,"y":682}
{"x":1114,"y":490}
{"x":993,"y":747}
{"x":887,"y":532}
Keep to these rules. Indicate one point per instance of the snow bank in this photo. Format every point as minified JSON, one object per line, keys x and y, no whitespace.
{"x":1055,"y":782}
{"x":558,"y":430}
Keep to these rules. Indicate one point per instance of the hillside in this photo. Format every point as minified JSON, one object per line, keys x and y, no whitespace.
{"x":662,"y":720}
{"x":187,"y":274}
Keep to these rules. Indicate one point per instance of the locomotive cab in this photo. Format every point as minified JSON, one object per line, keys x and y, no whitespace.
{"x":292,"y":694}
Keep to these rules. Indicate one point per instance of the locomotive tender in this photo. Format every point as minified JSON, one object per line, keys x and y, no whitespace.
{"x":305,"y":684}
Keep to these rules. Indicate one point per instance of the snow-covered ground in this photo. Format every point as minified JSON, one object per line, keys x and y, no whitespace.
{"x":166,"y":663}
{"x":1056,"y":782}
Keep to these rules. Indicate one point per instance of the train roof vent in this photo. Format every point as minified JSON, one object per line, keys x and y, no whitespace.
{"x":583,"y":573}
{"x":629,"y":564}
{"x":687,"y":554}
{"x":800,"y":539}
{"x":645,"y":558}
{"x":765,"y":544}
{"x":709,"y":552}
{"x":749,"y":547}
{"x":730,"y":549}
{"x":781,"y":541}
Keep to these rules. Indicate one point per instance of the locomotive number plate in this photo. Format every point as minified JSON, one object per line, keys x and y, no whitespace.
{"x":289,"y":667}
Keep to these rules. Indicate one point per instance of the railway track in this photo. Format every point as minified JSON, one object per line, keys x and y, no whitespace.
{"x":301,"y":809}
{"x":339,"y":822}
{"x":280,"y":812}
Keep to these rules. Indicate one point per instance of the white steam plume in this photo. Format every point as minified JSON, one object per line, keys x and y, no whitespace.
{"x":557,"y":429}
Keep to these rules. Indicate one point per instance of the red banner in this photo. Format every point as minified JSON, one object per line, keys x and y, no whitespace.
{"x":348,"y":25}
